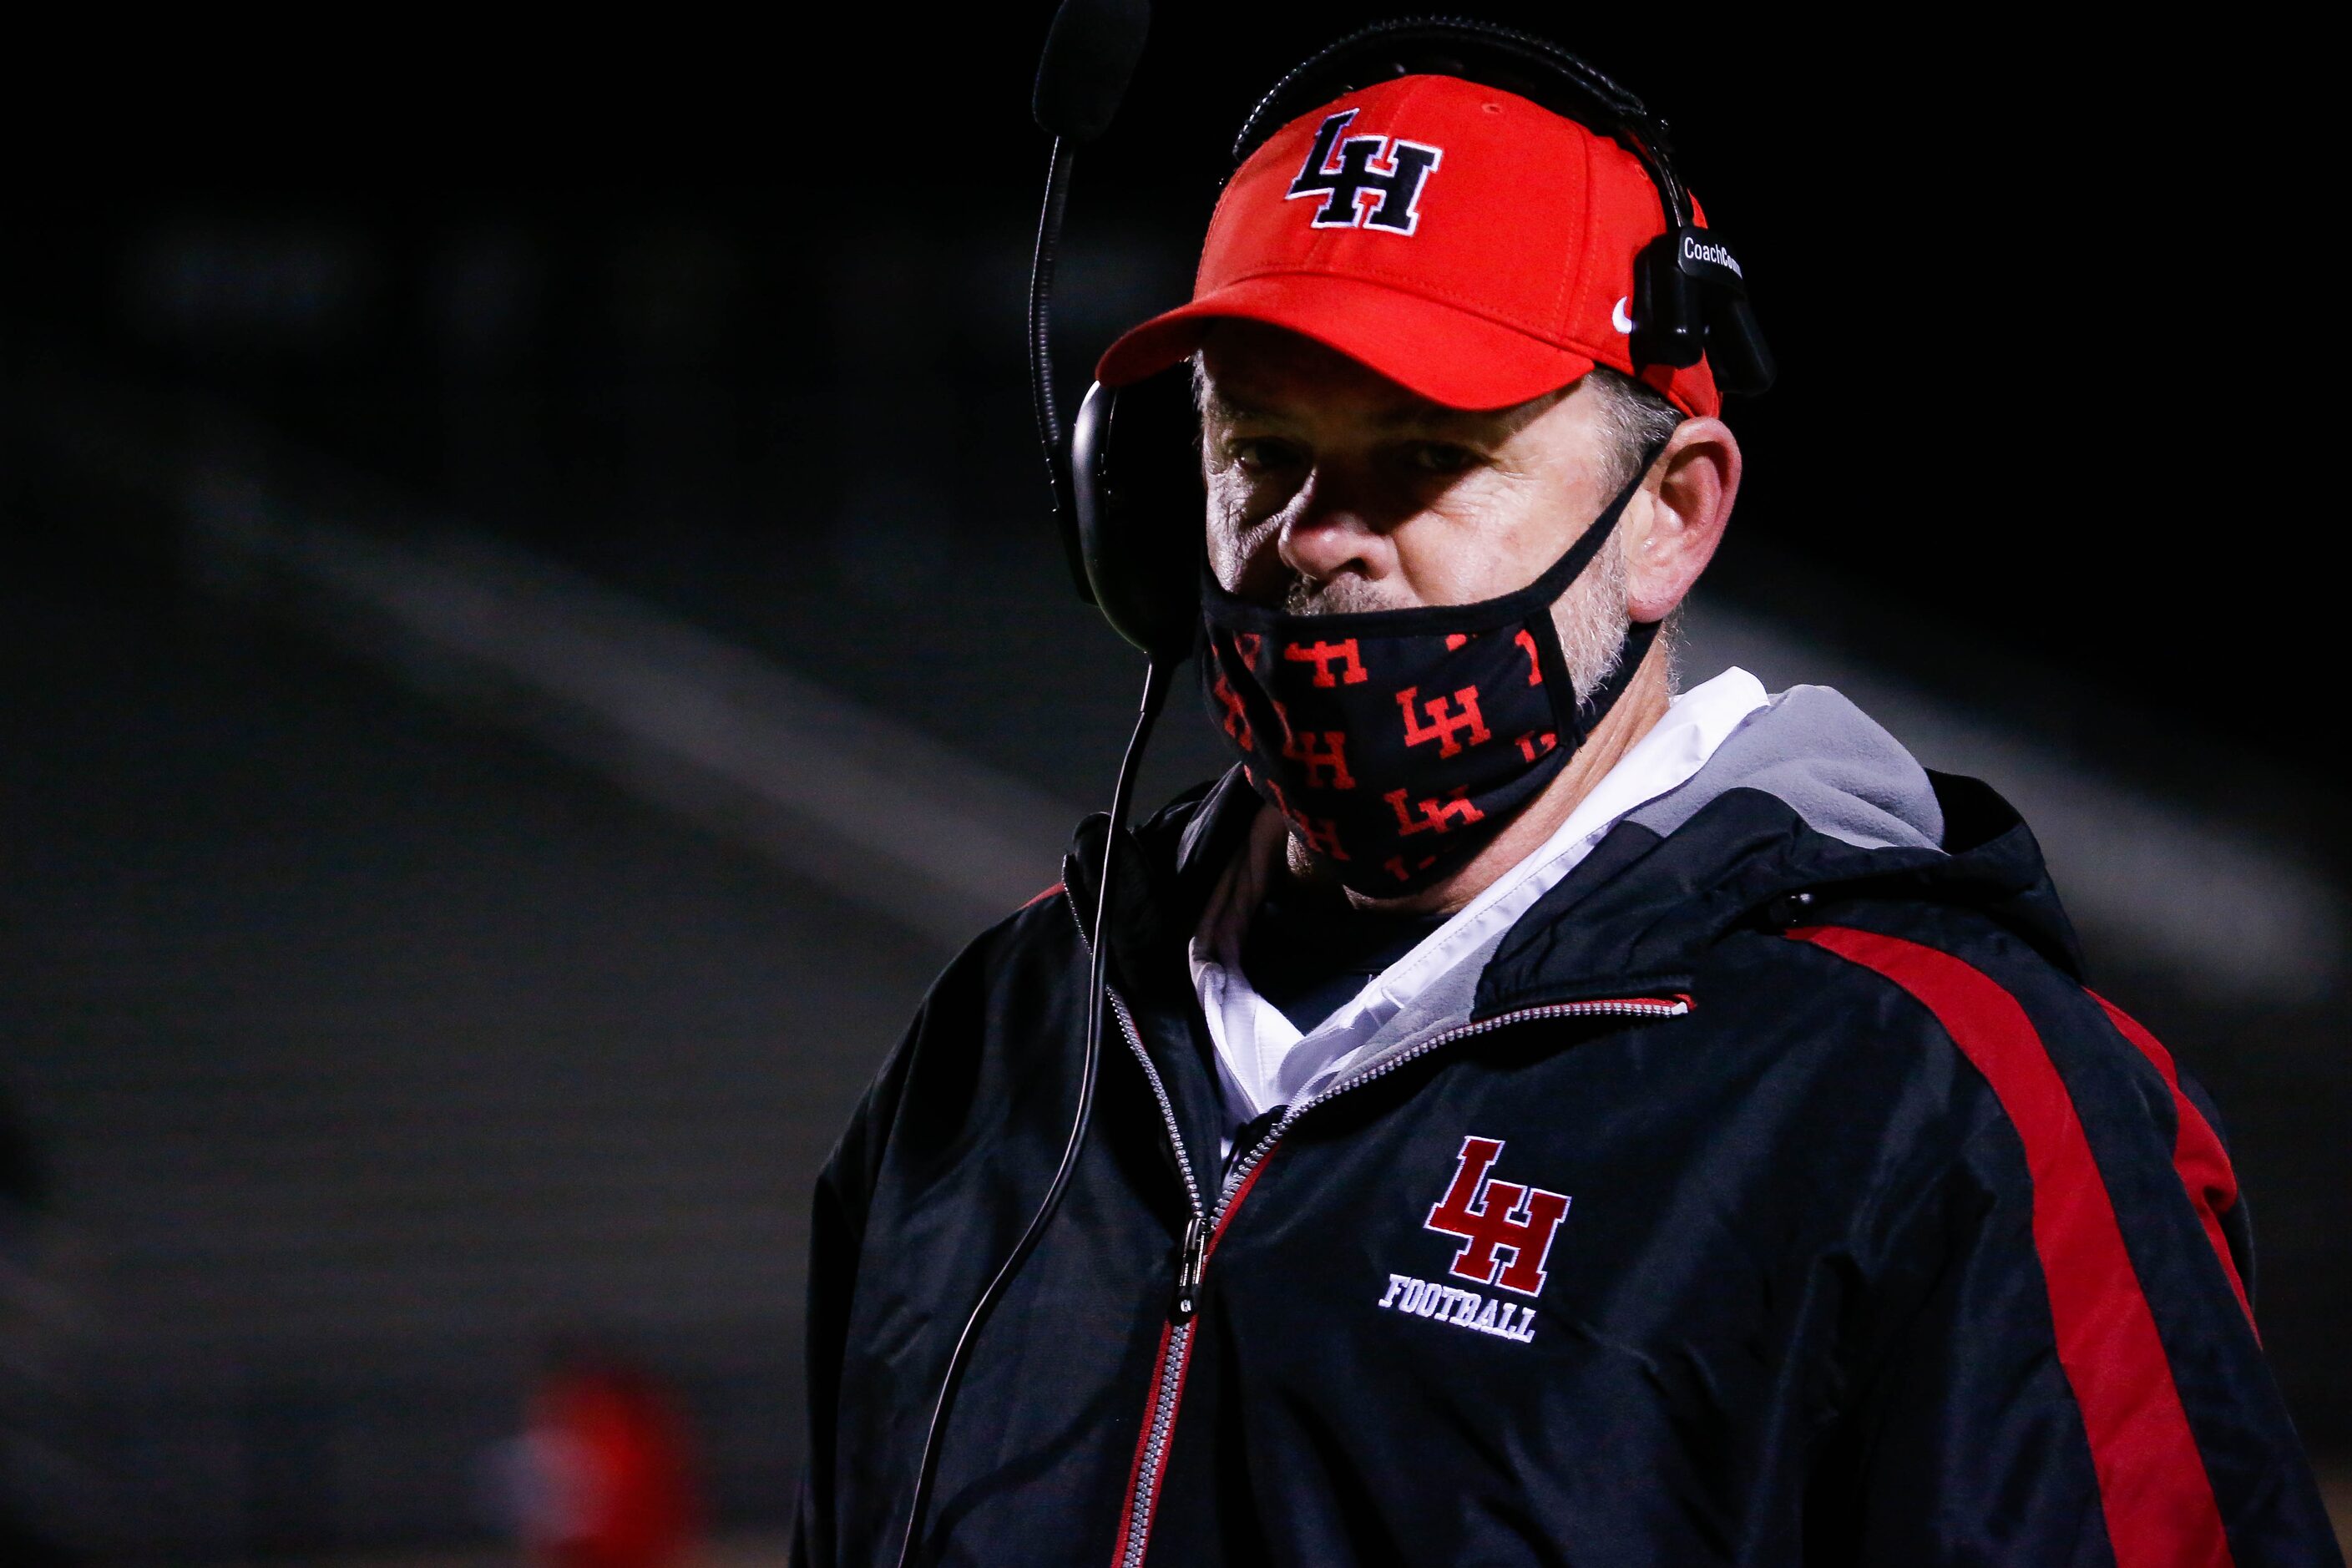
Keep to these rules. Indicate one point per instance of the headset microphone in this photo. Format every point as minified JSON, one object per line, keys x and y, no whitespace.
{"x":1090,"y":56}
{"x":1091,"y":52}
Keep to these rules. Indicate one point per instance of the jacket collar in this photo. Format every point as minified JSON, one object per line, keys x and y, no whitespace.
{"x":1634,"y":919}
{"x":1167,"y":867}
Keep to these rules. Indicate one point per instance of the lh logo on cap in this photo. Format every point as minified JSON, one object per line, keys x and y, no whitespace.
{"x":1375,"y":181}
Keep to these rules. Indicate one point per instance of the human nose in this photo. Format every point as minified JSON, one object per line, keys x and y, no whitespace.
{"x":1328,"y":533}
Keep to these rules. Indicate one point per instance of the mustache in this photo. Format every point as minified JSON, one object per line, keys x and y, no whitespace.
{"x":1342,"y":595}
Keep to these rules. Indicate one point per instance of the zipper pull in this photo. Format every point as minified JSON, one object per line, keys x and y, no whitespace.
{"x":1189,"y":1267}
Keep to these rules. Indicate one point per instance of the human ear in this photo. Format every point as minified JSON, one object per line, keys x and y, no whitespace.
{"x":1678,"y":518}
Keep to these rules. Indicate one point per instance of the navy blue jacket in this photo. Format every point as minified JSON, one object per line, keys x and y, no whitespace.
{"x":1779,"y":1200}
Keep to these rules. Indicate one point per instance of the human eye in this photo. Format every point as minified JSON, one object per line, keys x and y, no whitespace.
{"x":1442,"y":456}
{"x":1262,"y":454}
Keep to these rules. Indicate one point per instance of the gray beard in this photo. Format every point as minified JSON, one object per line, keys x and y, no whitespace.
{"x":1339,"y":597}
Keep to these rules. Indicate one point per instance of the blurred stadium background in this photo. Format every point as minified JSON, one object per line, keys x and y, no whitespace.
{"x":528,"y":630}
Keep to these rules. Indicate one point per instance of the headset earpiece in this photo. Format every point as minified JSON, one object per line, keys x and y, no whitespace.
{"x":1690,"y":298}
{"x":1136,"y":459}
{"x":1743,"y":362}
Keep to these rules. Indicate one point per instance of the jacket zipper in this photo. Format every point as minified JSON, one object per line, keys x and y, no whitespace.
{"x":1176,"y":1341}
{"x":1614,"y":1007}
{"x":1201,"y":1235}
{"x":1176,"y":1338}
{"x":1167,"y":1107}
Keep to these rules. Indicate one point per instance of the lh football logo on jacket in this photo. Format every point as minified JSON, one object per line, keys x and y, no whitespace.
{"x":1506,"y":1231}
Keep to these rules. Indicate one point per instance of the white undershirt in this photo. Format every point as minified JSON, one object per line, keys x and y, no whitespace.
{"x":1263,"y":1060}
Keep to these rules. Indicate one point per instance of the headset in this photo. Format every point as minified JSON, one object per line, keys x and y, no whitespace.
{"x":1135,"y":524}
{"x":1126,"y":483}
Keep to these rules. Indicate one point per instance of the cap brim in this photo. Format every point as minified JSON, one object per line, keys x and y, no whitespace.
{"x":1448,"y":355}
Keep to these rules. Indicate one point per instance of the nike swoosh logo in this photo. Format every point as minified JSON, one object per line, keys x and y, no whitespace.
{"x":1620,"y":320}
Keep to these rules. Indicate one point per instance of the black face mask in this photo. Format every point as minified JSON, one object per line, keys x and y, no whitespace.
{"x":1398,"y":742}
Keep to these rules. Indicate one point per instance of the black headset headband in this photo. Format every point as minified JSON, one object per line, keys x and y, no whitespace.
{"x":1535,"y":69}
{"x":1134,"y":522}
{"x":1690,"y":296}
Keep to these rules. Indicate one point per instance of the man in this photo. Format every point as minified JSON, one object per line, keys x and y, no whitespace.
{"x":1558,"y":1120}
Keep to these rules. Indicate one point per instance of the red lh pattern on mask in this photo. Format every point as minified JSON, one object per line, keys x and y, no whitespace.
{"x":1396,"y":743}
{"x":1392,"y":784}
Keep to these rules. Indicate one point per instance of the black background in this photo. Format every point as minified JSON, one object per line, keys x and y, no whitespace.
{"x":2051,"y":356}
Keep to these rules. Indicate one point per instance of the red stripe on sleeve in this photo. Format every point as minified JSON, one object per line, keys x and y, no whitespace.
{"x":2197,"y":1152}
{"x":2153,"y":1487}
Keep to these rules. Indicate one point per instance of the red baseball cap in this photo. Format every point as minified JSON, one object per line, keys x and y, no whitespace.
{"x":1462,"y":241}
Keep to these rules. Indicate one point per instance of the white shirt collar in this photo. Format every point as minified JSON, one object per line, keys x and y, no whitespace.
{"x":1264,"y":1060}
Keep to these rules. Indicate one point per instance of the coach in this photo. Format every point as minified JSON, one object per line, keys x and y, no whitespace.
{"x":1551,"y":1117}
